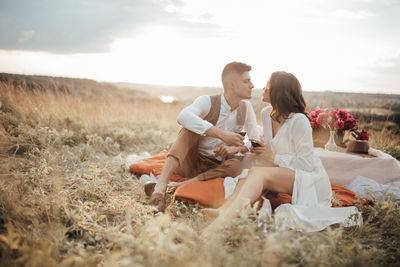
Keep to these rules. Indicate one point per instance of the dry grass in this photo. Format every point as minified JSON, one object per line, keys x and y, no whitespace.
{"x":66,"y":198}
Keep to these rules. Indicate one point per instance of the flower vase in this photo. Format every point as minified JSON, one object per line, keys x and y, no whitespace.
{"x":339,"y":136}
{"x":321,"y":137}
{"x":331,"y":145}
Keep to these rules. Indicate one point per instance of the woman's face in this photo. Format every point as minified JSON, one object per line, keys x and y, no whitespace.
{"x":266,"y":93}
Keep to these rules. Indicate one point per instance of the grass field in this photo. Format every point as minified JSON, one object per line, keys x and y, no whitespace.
{"x":66,"y":198}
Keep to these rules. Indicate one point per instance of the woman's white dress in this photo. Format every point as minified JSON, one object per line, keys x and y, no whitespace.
{"x":310,"y":209}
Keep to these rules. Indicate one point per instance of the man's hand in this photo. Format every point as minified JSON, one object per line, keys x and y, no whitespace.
{"x":225,"y":151}
{"x":230,"y":138}
{"x":233,"y":139}
{"x":263,"y":152}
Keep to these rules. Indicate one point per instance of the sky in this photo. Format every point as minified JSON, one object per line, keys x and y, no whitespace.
{"x":337,"y":45}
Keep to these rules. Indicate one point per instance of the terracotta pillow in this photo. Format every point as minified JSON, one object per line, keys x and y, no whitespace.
{"x":209,"y":193}
{"x":154,"y":165}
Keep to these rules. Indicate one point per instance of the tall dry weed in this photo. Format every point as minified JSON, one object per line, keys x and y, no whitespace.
{"x":66,"y":198}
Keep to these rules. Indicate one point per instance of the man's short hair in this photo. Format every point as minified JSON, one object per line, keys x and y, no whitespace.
{"x":234,"y":68}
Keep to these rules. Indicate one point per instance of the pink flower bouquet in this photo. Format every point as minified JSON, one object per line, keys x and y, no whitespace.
{"x":334,"y":119}
{"x":339,"y":120}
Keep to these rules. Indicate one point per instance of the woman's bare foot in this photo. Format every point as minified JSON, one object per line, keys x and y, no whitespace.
{"x":222,"y":221}
{"x":214,"y":227}
{"x":209,"y":214}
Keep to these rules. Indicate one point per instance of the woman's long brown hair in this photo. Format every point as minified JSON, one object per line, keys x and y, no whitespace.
{"x":286,"y":95}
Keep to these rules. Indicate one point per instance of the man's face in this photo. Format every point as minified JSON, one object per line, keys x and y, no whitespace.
{"x":243,"y":86}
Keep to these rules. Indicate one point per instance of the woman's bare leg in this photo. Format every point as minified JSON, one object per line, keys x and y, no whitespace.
{"x":248,"y":162}
{"x":275,"y":179}
{"x":210,"y":213}
{"x":234,"y":195}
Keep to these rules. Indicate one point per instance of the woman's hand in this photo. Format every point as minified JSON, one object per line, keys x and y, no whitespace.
{"x":263,"y":152}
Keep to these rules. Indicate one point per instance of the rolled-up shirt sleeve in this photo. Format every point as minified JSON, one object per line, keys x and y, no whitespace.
{"x":301,"y":138}
{"x":191,"y":117}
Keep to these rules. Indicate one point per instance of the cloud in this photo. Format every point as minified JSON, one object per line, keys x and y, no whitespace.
{"x":73,"y":26}
{"x":349,"y":14}
{"x":387,"y":2}
{"x":389,"y":66}
{"x":382,"y":75}
{"x":26,"y":35}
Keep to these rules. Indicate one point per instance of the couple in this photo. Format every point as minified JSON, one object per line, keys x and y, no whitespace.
{"x":207,"y":145}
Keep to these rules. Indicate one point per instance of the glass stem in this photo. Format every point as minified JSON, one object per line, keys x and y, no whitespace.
{"x":331,"y":145}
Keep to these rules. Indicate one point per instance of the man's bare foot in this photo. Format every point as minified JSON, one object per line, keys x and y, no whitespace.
{"x":209,"y":215}
{"x":158,"y":200}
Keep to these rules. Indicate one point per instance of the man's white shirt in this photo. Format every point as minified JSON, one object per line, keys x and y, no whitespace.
{"x":192,"y":118}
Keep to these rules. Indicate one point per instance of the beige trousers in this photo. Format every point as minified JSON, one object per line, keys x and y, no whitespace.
{"x":191,"y":163}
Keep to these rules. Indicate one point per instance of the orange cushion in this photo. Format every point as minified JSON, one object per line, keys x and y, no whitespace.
{"x":154,"y":165}
{"x":211,"y":193}
{"x":344,"y":198}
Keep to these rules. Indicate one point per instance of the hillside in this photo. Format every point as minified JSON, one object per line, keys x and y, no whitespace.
{"x":63,"y":85}
{"x":378,"y":104}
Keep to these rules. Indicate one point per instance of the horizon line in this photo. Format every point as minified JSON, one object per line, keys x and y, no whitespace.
{"x":204,"y":86}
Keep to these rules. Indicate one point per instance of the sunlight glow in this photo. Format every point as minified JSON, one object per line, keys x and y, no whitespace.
{"x":310,"y":41}
{"x":167,"y":99}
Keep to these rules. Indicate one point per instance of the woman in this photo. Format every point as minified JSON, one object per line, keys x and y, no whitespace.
{"x":291,"y":166}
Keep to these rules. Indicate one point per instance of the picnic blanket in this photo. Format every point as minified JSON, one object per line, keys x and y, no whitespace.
{"x":211,"y":193}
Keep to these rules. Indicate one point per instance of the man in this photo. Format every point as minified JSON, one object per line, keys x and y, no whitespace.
{"x":206,"y":145}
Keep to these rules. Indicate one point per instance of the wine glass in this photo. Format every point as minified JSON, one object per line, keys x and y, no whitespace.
{"x":242,"y":133}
